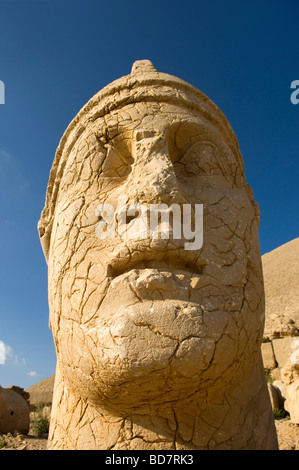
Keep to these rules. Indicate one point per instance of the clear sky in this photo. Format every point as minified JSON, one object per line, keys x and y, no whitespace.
{"x":56,"y":54}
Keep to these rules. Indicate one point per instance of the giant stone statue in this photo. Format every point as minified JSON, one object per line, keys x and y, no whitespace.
{"x":158,"y":340}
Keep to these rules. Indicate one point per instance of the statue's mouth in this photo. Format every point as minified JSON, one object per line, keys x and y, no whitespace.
{"x":169,"y":260}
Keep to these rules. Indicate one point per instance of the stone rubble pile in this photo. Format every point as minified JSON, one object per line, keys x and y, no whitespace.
{"x":280,"y":347}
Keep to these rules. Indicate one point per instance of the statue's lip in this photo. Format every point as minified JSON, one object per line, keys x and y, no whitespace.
{"x":166,"y":260}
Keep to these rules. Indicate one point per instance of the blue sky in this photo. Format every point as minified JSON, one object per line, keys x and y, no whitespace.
{"x":56,"y":54}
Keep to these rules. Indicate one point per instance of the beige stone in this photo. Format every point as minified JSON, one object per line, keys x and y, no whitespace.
{"x":292,"y":401}
{"x":281,"y":387}
{"x":282,"y":350}
{"x":276,"y":398}
{"x":268,"y":356}
{"x":158,"y":345}
{"x":290,"y":377}
{"x":275,"y":374}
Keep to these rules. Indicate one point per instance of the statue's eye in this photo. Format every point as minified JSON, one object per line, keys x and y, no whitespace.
{"x":118,"y":160}
{"x":199,"y":160}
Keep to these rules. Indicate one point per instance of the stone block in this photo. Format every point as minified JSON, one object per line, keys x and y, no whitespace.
{"x":268,"y":356}
{"x":282,"y":349}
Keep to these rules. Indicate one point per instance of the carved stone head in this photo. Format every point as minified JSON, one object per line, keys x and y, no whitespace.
{"x":143,"y":321}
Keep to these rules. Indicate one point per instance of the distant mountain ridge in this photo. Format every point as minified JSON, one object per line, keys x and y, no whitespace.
{"x":41,"y":392}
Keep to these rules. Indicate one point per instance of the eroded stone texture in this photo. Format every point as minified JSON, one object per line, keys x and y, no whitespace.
{"x":158,"y":347}
{"x":290,"y":378}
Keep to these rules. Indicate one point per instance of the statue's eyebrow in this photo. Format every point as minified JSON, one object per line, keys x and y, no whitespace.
{"x":113,"y":134}
{"x":182,"y":135}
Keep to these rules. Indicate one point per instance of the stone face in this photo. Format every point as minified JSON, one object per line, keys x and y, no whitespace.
{"x":158,"y":345}
{"x":14,"y":412}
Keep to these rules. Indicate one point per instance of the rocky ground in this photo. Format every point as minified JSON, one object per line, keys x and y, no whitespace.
{"x":287,"y":432}
{"x":20,"y":442}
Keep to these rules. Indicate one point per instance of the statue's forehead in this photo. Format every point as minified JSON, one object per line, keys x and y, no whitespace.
{"x":152,"y":115}
{"x":155,"y":116}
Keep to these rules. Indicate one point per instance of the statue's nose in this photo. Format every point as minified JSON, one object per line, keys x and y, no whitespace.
{"x":153,"y":178}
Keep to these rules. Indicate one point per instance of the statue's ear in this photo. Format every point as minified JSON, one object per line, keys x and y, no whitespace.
{"x":44,"y":239}
{"x":257,"y":211}
{"x":254,"y":203}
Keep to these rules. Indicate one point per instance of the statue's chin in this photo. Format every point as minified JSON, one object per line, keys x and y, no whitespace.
{"x":147,"y":351}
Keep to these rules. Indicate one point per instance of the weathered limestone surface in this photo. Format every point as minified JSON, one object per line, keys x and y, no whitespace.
{"x":276,"y":397}
{"x":158,"y":347}
{"x":268,"y":356}
{"x":282,"y":350}
{"x":290,"y":378}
